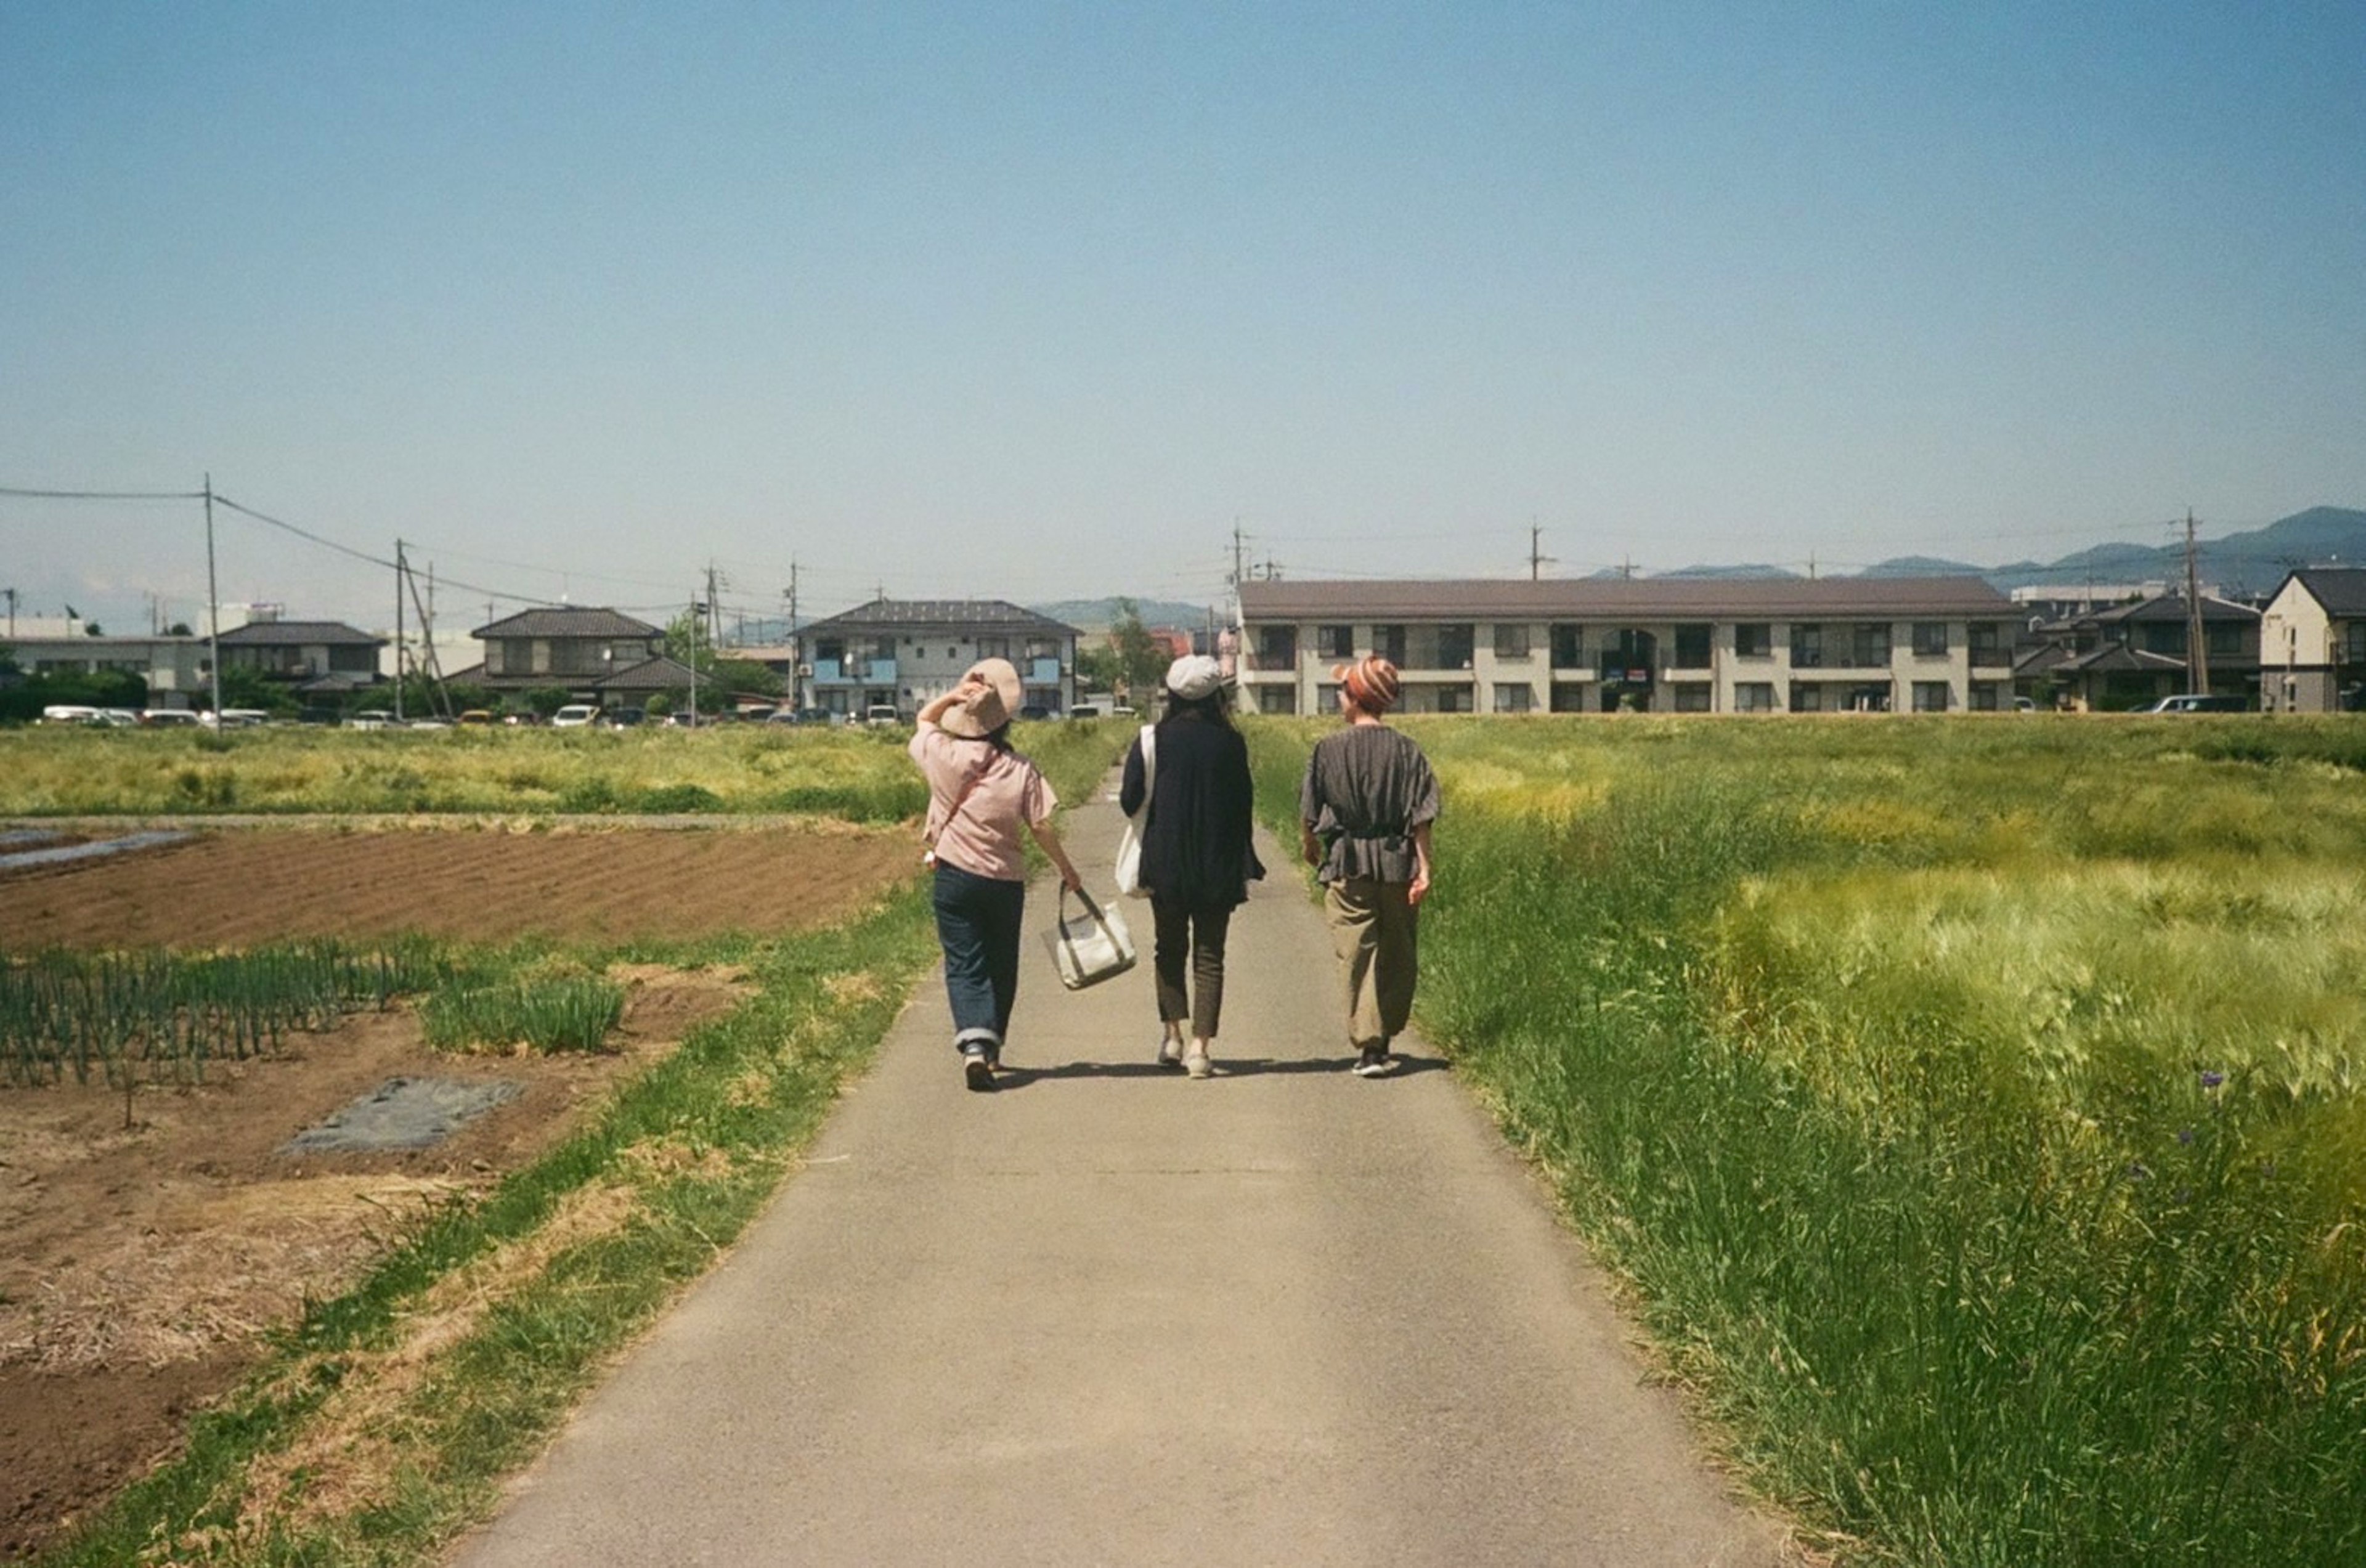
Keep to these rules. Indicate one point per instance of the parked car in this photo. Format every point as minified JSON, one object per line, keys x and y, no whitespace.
{"x":1085,"y":710}
{"x":330,"y":717}
{"x":2196,"y":702}
{"x":475,"y":716}
{"x":525,"y":718}
{"x":1034,"y":710}
{"x":756,"y":715}
{"x":576,"y":715}
{"x":881,"y":715}
{"x":236,"y":719}
{"x":1123,"y":710}
{"x":623,"y":718}
{"x":2025,"y":705}
{"x":169,"y":718}
{"x":370,"y":718}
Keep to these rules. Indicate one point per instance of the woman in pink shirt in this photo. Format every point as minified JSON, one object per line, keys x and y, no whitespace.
{"x":981,"y":793}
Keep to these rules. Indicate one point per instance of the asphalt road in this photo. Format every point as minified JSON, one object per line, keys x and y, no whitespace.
{"x":1110,"y":1316}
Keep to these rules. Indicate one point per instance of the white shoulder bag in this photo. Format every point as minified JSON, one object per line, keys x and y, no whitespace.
{"x":1090,"y":947}
{"x":1128,"y":843}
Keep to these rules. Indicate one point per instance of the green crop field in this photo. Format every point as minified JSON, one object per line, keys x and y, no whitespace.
{"x":1973,"y":1105}
{"x":861,"y":775}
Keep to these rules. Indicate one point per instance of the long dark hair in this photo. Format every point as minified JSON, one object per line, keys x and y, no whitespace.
{"x":1216,"y":707}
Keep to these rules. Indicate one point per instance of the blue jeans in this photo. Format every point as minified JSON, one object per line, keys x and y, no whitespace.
{"x":977,"y":925}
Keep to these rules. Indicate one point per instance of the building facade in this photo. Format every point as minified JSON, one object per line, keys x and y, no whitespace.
{"x":1662,"y":644}
{"x":178,"y":670}
{"x":900,"y":653}
{"x":575,"y":649}
{"x":2313,"y":642}
{"x":313,"y":659}
{"x":2128,"y":655}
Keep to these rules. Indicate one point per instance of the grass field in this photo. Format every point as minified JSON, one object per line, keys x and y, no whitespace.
{"x":861,"y":775}
{"x":1973,"y":1105}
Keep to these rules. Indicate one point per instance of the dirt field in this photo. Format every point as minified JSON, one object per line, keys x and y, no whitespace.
{"x":143,"y":1267}
{"x":234,"y":887}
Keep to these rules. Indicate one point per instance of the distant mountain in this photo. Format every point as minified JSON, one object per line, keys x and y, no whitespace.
{"x":1099,"y":615}
{"x":2240,"y":564}
{"x":1920,"y":566}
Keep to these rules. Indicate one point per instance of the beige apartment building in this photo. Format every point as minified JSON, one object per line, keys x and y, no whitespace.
{"x":2313,"y":643}
{"x":1660,"y":645}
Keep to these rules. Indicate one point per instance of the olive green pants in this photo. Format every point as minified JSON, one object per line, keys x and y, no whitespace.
{"x":1375,"y":932}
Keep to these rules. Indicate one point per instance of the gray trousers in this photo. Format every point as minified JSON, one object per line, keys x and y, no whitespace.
{"x":1376,"y":934}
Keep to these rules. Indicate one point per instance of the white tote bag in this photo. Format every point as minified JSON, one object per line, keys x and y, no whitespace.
{"x":1090,"y":947}
{"x":1128,"y":843}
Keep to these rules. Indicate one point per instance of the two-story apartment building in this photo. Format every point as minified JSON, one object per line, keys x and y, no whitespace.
{"x":2313,"y":642}
{"x":900,"y":653}
{"x":1666,"y":645}
{"x":177,"y":670}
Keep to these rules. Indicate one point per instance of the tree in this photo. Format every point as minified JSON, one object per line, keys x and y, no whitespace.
{"x":1141,"y":661}
{"x":251,"y":689}
{"x":687,"y":642}
{"x":92,"y":628}
{"x":546,"y":700}
{"x":179,"y":629}
{"x":738,"y":676}
{"x":1097,"y":668}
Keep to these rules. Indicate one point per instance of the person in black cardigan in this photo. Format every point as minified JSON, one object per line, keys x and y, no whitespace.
{"x":1197,"y":860}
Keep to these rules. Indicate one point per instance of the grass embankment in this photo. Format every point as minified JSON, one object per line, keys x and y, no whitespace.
{"x":384,"y":1424}
{"x":862,"y":775}
{"x":1973,"y":1105}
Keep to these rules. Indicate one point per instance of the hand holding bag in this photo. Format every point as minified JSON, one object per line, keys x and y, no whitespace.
{"x":1090,"y":947}
{"x":1128,"y":843}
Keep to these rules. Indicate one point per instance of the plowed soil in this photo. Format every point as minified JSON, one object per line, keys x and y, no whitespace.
{"x":144,"y":1264}
{"x":235,"y":887}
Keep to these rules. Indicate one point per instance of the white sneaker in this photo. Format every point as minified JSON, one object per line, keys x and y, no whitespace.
{"x":1195,"y":1063}
{"x":1374,"y":1062}
{"x":1170,"y":1052}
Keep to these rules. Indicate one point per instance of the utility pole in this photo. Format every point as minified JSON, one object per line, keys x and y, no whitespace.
{"x":213,"y":606}
{"x":714,"y":611}
{"x":1536,"y":558}
{"x":2197,"y":656}
{"x":10,"y":594}
{"x":399,"y":570}
{"x":797,"y":645}
{"x":427,"y":641}
{"x":693,"y":663}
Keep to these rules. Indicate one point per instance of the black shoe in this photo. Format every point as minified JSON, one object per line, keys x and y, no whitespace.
{"x":976,"y":1071}
{"x":1374,"y":1062}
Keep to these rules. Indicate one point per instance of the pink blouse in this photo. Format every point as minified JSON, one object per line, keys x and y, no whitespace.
{"x":982,"y":837}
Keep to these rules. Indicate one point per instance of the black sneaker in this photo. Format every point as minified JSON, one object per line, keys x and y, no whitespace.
{"x":976,"y":1071}
{"x":1374,"y":1062}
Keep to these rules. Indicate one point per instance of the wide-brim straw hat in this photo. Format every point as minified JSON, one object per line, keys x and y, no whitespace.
{"x":990,"y":709}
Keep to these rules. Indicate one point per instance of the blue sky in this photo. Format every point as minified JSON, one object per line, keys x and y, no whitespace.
{"x":1042,"y":301}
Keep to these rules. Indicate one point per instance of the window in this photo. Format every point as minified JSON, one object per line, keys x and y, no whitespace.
{"x":1692,"y":697}
{"x":993,"y":648}
{"x":1753,"y":639}
{"x":1985,"y":697}
{"x":2224,"y":640}
{"x":1988,"y":643}
{"x":1513,"y":696}
{"x":1806,"y":653}
{"x":1277,"y":699}
{"x":885,"y":647}
{"x":1568,"y":647}
{"x":1510,"y":642}
{"x":1043,"y":648}
{"x":1692,"y":652}
{"x":1455,"y":699}
{"x":1806,"y":697}
{"x":2353,"y":642}
{"x":517,"y":656}
{"x":1327,"y":699}
{"x":2164,"y":636}
{"x":1754,"y":696}
{"x":1335,"y":642}
{"x":1276,"y":648}
{"x":1388,"y":642}
{"x":1869,"y":644}
{"x":1454,"y":646}
{"x":829,"y":649}
{"x":1930,"y":696}
{"x":1929,"y":639}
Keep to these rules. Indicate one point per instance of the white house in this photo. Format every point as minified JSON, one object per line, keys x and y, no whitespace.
{"x":2313,"y":642}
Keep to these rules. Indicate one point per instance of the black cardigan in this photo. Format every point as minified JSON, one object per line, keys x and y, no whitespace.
{"x":1195,"y":847}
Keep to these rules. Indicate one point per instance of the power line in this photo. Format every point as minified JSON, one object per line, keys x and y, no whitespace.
{"x":103,"y":495}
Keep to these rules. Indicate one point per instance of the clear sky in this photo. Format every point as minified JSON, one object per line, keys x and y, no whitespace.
{"x":1040,"y":301}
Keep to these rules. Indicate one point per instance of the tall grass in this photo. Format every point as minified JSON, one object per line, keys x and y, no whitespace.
{"x":1973,"y":1105}
{"x":857,"y":774}
{"x":549,"y":1013}
{"x":125,"y":1014}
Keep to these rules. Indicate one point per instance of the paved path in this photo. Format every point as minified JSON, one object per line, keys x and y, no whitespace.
{"x":1109,"y":1316}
